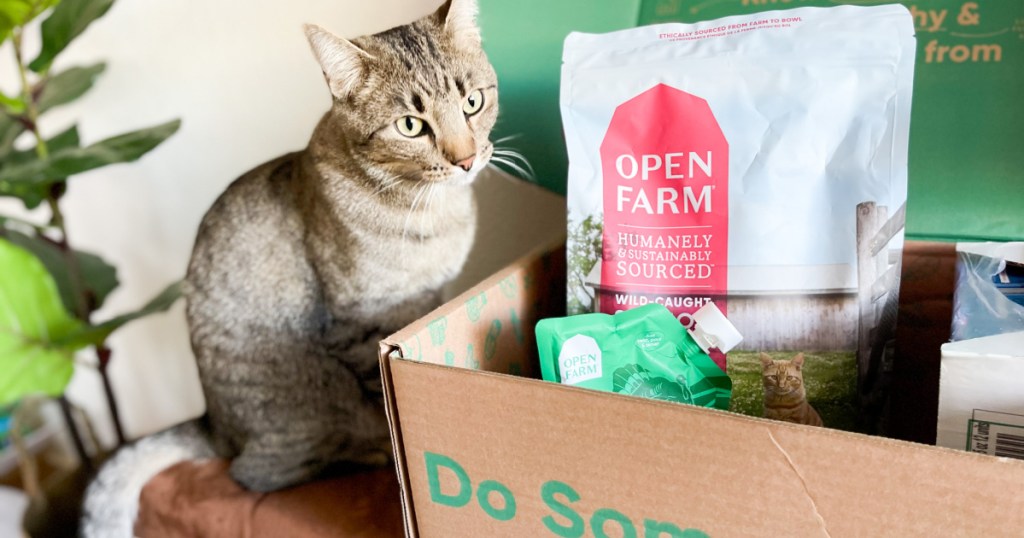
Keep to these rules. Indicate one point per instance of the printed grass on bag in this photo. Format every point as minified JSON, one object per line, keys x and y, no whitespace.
{"x":830,"y":378}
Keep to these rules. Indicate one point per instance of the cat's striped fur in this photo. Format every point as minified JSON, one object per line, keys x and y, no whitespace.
{"x":306,"y":262}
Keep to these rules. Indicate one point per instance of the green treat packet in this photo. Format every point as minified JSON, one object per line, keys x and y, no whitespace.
{"x":643,"y":352}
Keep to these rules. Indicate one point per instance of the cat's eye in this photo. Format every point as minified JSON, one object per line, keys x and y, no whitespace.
{"x":473,"y":103}
{"x":410,"y":126}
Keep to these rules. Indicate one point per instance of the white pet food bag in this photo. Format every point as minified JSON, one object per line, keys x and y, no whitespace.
{"x":758,"y":162}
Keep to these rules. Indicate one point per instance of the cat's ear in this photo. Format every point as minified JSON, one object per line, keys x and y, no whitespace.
{"x":765,"y":360}
{"x":799,"y":360}
{"x":343,"y":63}
{"x":459,"y":19}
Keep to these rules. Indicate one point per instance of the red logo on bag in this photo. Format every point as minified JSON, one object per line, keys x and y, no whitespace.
{"x":665,"y":164}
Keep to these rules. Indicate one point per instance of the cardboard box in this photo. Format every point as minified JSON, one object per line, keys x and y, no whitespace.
{"x":981,"y":389}
{"x":981,"y":395}
{"x":481,"y":452}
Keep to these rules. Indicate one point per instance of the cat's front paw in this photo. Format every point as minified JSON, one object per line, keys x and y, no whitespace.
{"x":377,"y":457}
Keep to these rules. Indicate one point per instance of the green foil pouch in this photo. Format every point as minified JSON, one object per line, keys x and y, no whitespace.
{"x":642,"y":352}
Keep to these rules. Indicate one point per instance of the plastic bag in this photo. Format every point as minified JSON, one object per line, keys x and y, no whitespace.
{"x":756,"y":162}
{"x":980,"y":306}
{"x":641,"y":352}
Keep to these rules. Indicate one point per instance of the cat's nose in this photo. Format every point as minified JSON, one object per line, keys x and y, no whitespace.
{"x":466,"y":163}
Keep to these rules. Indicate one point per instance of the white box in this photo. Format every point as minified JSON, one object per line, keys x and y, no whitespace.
{"x":981,"y":395}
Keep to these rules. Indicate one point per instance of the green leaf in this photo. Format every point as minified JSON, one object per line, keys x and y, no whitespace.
{"x":30,"y":194}
{"x":69,"y":19}
{"x":10,"y":128}
{"x":99,"y":277}
{"x":66,"y":139}
{"x":33,"y":194}
{"x":70,"y":161}
{"x":13,"y":13}
{"x":68,"y":85}
{"x":96,"y":334}
{"x":32,"y":320}
{"x":12,"y":105}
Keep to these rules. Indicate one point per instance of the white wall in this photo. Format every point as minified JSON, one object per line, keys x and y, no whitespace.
{"x":241,"y":77}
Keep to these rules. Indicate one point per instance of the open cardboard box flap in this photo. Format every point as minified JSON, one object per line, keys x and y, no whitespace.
{"x":484,"y":453}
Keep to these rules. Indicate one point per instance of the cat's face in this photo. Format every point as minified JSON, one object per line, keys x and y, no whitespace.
{"x":416,"y":102}
{"x":782,"y":376}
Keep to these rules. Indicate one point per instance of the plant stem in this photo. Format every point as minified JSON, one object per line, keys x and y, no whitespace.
{"x":103,"y":353}
{"x":39,"y":229}
{"x":31,"y":110}
{"x":78,"y":291}
{"x":76,"y":435}
{"x":82,"y":309}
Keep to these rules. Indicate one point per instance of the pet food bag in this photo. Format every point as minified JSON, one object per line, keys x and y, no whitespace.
{"x":758,"y":162}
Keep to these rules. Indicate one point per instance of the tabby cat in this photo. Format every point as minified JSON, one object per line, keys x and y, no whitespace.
{"x":784,"y":395}
{"x":306,"y":262}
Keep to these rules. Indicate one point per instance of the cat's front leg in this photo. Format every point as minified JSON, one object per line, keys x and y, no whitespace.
{"x":354,"y":431}
{"x":264,"y":465}
{"x":355,"y":346}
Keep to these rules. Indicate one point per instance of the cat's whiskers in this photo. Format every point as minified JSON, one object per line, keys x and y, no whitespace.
{"x":412,"y":209}
{"x":427,"y":209}
{"x":510,"y":164}
{"x":389,"y":182}
{"x":509,"y":152}
{"x":514,"y":156}
{"x":506,"y":138}
{"x":435,"y":214}
{"x":509,"y":157}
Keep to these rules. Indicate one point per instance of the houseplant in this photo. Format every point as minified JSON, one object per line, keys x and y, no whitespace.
{"x":49,"y":291}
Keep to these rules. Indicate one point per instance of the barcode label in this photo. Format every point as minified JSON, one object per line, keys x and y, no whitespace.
{"x":1004,"y":438}
{"x":1009,"y":445}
